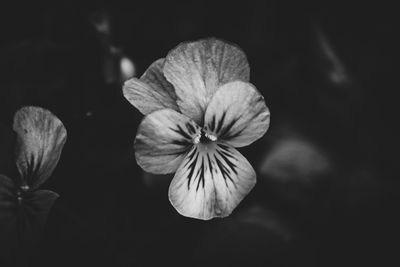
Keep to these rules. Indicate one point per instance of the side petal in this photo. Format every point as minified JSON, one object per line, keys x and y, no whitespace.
{"x":152,"y":91}
{"x":198,"y":69}
{"x":162,"y":139}
{"x":41,"y":137}
{"x":237,"y":114}
{"x":211,"y":182}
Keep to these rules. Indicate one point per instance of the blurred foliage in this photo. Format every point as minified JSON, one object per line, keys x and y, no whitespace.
{"x":327,"y":74}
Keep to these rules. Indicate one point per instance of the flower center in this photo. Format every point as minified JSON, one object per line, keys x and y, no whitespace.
{"x":205,"y":138}
{"x":21,"y":193}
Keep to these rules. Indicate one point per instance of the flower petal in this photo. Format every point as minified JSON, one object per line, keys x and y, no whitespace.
{"x":41,"y":137}
{"x":237,"y":114}
{"x":211,"y":182}
{"x":162,"y":139}
{"x":152,"y":91}
{"x":198,"y":69}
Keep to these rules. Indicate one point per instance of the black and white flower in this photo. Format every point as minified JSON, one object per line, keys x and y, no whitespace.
{"x":198,"y":106}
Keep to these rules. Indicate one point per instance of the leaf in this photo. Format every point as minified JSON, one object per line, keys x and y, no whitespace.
{"x":8,"y":219}
{"x":21,"y":221}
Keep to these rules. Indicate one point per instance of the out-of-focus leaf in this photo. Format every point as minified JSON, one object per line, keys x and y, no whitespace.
{"x":7,"y":145}
{"x":33,"y":214}
{"x":257,"y":216}
{"x":41,"y":137}
{"x":332,"y":66}
{"x":21,"y":219}
{"x":150,"y":179}
{"x":255,"y":236}
{"x":8,"y":219}
{"x":294,"y":159}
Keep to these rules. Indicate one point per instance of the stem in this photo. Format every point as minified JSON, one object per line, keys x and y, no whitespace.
{"x":22,"y":252}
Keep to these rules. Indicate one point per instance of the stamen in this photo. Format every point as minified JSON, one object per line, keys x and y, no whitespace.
{"x":24,"y":188}
{"x":196,"y":140}
{"x":211,"y":137}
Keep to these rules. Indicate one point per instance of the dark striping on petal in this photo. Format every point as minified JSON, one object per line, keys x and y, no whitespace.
{"x":192,"y":166}
{"x":227,"y":154}
{"x":230,"y":164}
{"x":191,"y":128}
{"x":225,"y":147}
{"x":226,"y":129}
{"x":220,"y":122}
{"x":154,"y":76}
{"x":200,"y":173}
{"x":181,"y":143}
{"x":209,"y":164}
{"x":212,"y":126}
{"x":233,"y":135}
{"x":33,"y":167}
{"x":31,"y":164}
{"x":181,"y":132}
{"x":224,"y":135}
{"x":190,"y":156}
{"x":224,"y":171}
{"x":172,"y":153}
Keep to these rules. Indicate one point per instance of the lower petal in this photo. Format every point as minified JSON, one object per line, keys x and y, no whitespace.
{"x":211,"y":181}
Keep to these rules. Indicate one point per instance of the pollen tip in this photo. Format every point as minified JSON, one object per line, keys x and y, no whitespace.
{"x":24,"y":188}
{"x":211,"y":137}
{"x":196,"y":140}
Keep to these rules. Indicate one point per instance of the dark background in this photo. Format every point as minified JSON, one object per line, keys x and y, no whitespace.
{"x":327,"y":191}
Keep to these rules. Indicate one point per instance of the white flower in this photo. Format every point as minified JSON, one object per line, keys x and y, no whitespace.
{"x":199,"y":106}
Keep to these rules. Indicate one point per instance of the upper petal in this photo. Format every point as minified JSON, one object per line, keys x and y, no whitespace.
{"x":152,"y":91}
{"x":41,"y":137}
{"x":237,"y":114}
{"x":211,"y":182}
{"x":162,"y":139}
{"x":198,"y":69}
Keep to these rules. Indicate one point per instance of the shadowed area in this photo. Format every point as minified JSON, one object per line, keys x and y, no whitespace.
{"x":327,"y":188}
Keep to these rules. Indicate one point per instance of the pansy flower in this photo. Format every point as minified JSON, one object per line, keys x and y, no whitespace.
{"x":198,"y":106}
{"x":23,"y":206}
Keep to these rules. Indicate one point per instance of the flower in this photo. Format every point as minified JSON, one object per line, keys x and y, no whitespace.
{"x":198,"y":106}
{"x":23,"y":207}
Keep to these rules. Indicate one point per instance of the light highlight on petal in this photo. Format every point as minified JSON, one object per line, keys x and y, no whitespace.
{"x":211,"y":182}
